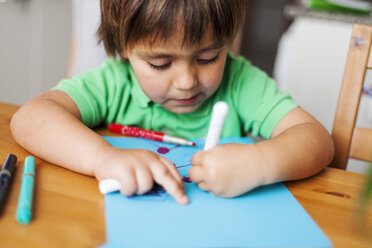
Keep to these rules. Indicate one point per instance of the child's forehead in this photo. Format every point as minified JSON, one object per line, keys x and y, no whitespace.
{"x":176,"y":42}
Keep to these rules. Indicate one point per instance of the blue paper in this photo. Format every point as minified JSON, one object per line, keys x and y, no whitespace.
{"x":267,"y":216}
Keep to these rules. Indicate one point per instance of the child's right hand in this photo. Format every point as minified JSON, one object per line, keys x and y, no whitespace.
{"x":137,"y":169}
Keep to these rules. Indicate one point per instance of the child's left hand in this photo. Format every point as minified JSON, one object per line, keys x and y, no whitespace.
{"x":228,"y":170}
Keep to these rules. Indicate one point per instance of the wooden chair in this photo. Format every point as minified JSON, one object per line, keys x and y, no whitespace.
{"x":352,"y":141}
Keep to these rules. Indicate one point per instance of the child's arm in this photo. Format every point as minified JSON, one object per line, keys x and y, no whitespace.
{"x":300,"y":147}
{"x":50,"y":127}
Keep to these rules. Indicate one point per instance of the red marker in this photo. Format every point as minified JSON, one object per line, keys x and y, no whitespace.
{"x":148,"y":134}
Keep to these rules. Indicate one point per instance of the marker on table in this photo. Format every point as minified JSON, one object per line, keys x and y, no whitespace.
{"x":5,"y":176}
{"x":216,"y":124}
{"x":148,"y":134}
{"x":24,"y":208}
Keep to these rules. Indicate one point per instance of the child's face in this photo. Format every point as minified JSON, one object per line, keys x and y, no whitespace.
{"x":179,"y":78}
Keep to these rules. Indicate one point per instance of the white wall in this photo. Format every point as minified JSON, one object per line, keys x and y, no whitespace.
{"x":35,"y":38}
{"x":310,"y":65}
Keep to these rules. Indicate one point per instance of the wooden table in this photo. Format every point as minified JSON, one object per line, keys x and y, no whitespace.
{"x":69,"y":210}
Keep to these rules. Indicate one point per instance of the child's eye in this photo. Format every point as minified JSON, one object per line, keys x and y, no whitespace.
{"x":207,"y":61}
{"x":160,"y":67}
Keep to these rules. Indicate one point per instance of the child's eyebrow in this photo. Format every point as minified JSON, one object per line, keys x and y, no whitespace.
{"x":209,"y":48}
{"x":170,"y":55}
{"x":156,"y":56}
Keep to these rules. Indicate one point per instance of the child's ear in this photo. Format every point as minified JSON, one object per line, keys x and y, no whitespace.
{"x":124,"y":54}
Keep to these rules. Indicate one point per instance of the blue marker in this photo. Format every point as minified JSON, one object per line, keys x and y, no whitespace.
{"x":6,"y":174}
{"x":24,"y":208}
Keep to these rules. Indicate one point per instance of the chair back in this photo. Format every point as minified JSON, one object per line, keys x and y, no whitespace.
{"x":352,"y":141}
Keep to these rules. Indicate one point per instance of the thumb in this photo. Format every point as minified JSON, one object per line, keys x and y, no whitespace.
{"x":197,"y":158}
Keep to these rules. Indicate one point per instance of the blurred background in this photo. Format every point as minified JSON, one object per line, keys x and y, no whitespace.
{"x":299,"y":43}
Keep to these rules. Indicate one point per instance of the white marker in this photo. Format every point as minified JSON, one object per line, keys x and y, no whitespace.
{"x":215,"y":126}
{"x":109,"y":185}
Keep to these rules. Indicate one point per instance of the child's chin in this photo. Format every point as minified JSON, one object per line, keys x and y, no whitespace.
{"x":183,"y":109}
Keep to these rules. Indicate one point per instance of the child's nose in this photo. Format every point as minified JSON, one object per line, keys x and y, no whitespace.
{"x":186,"y":79}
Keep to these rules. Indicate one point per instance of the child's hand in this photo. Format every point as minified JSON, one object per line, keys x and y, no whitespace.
{"x":228,"y":170}
{"x":137,"y":169}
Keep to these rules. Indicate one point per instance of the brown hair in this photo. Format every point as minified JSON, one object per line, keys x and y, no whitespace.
{"x":125,"y":22}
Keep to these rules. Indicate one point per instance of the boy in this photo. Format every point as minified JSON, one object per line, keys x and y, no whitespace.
{"x":174,"y":66}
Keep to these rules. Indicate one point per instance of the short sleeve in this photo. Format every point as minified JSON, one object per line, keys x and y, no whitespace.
{"x":259,"y":103}
{"x":91,"y":91}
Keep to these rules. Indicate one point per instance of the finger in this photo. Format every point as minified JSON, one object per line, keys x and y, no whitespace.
{"x":203,"y":186}
{"x":196,"y":174}
{"x":172,"y":168}
{"x":128,"y":183}
{"x":197,"y":158}
{"x":145,"y":182}
{"x":165,"y":178}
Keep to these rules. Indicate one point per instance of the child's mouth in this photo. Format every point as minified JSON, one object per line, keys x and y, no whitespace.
{"x":187,"y":101}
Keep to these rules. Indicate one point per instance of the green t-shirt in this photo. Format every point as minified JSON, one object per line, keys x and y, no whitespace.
{"x":111,"y":94}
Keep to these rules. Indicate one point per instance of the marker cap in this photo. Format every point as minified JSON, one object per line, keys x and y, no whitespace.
{"x":219,"y":113}
{"x":24,"y":208}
